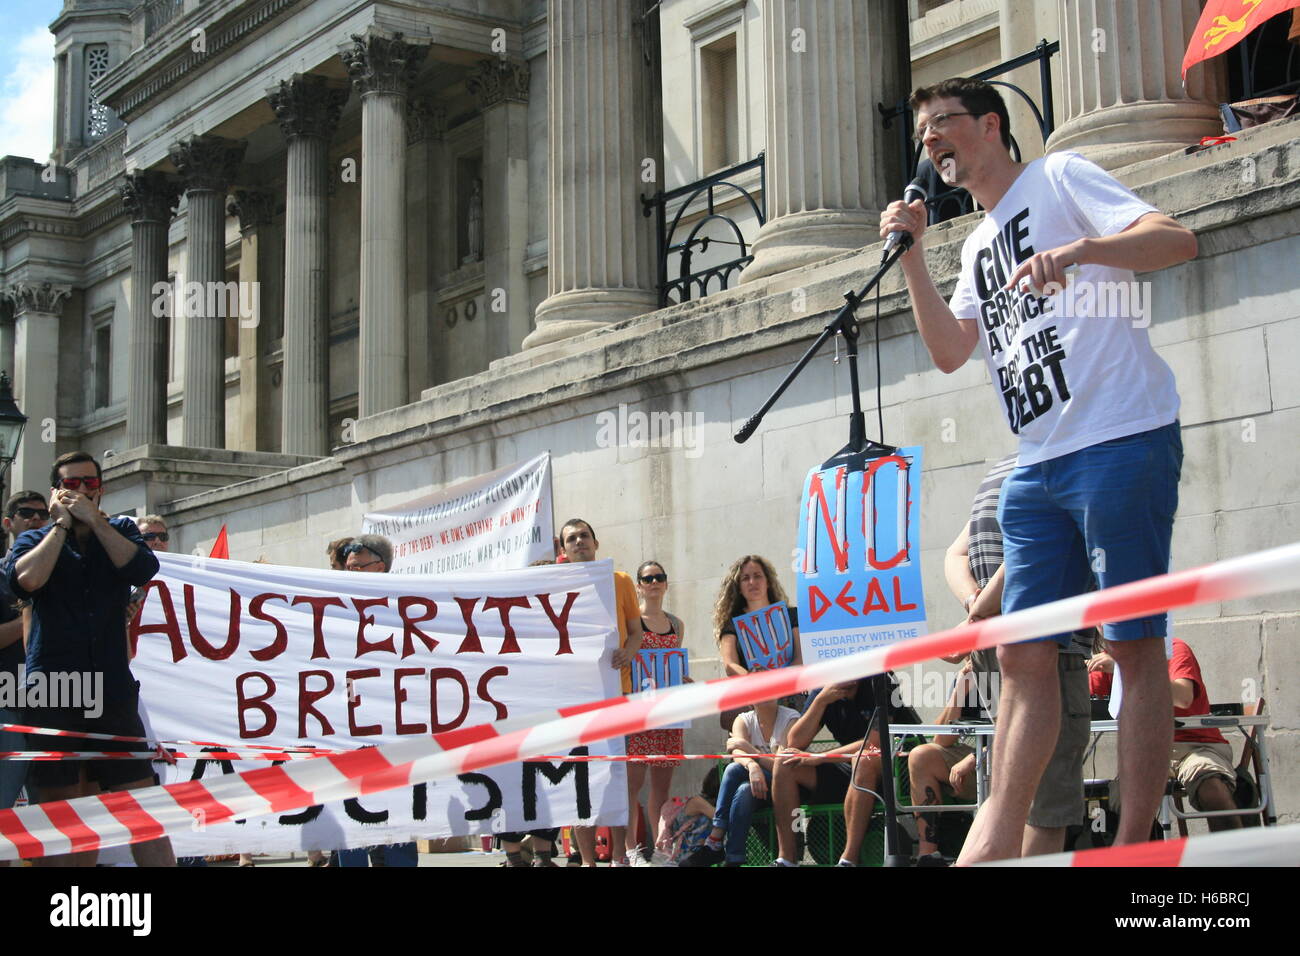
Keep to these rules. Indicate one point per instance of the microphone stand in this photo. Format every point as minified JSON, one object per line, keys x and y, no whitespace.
{"x":855,"y":455}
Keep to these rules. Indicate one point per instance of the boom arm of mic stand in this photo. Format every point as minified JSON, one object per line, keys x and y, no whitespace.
{"x":844,"y":322}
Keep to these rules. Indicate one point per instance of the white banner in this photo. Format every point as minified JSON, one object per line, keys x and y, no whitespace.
{"x":495,"y":522}
{"x":241,"y":653}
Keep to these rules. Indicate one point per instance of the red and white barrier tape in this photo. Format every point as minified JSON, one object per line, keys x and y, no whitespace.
{"x":132,"y":816}
{"x":1257,"y":846}
{"x":153,"y":755}
{"x":119,"y":738}
{"x":307,"y":754}
{"x":650,"y":758}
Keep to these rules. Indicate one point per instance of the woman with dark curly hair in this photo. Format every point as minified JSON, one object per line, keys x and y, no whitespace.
{"x":749,"y":584}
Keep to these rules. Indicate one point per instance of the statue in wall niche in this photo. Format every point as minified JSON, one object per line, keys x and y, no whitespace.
{"x":474,"y":224}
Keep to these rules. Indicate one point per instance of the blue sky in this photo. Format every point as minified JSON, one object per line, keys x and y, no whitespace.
{"x":27,"y":77}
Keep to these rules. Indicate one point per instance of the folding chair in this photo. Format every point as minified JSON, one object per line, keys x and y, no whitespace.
{"x":1252,"y":754}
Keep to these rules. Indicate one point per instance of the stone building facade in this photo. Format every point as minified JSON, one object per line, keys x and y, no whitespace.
{"x":439,"y":206}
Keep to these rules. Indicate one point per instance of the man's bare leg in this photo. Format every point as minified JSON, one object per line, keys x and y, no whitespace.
{"x":1213,"y":794}
{"x":928,"y":773}
{"x":786,"y":780}
{"x":1041,"y":840}
{"x":152,"y":852}
{"x":1029,"y":718}
{"x":1146,"y":733}
{"x":859,"y":804}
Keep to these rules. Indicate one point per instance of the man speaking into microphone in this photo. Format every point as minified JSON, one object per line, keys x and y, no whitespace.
{"x":1095,"y":409}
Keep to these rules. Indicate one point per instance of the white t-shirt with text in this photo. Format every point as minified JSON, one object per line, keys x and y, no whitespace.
{"x":1076,"y":368}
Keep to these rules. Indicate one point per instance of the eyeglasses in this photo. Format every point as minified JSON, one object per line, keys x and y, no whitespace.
{"x":72,"y":484}
{"x":29,"y":513}
{"x":162,"y":536}
{"x":937,"y":123}
{"x":654,"y":579}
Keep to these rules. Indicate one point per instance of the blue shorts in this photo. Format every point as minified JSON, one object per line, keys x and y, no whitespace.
{"x":1106,"y":509}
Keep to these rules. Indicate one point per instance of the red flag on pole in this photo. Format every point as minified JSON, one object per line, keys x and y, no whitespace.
{"x":221,"y":547}
{"x":1225,"y":23}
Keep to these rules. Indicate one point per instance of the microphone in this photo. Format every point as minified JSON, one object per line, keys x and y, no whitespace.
{"x":915,"y":190}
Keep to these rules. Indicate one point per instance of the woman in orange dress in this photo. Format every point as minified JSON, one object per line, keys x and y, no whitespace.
{"x":662,"y":630}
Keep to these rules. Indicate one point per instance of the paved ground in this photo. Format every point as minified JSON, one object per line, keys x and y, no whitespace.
{"x":470,"y":858}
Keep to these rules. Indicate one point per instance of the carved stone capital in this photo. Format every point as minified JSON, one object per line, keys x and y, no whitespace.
{"x":424,"y":120}
{"x":149,"y":196}
{"x":47,"y":297}
{"x":308,"y":105}
{"x":499,"y":80}
{"x":207,"y":162}
{"x":254,"y":207}
{"x":380,"y":64}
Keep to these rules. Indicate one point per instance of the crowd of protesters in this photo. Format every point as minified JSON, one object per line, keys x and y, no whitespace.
{"x":65,"y":546}
{"x":1097,"y":470}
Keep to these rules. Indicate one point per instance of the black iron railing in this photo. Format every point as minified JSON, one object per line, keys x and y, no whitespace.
{"x":956,"y":202}
{"x":1265,"y":63}
{"x":717,"y":189}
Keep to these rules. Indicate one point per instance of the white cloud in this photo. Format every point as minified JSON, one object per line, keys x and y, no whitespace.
{"x":27,"y":98}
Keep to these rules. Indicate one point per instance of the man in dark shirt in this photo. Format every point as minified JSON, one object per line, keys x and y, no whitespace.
{"x":845,"y":711}
{"x":78,"y":572}
{"x":24,"y":511}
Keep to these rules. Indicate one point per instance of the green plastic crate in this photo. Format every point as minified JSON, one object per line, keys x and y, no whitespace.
{"x":823,"y":837}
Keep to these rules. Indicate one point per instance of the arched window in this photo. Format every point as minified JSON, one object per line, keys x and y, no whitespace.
{"x":97,"y":113}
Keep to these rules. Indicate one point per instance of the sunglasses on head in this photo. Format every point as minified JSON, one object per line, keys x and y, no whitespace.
{"x":72,"y":484}
{"x":654,"y":579}
{"x":29,"y":513}
{"x":162,"y":536}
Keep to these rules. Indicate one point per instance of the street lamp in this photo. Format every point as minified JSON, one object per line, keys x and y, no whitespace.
{"x":12,"y":422}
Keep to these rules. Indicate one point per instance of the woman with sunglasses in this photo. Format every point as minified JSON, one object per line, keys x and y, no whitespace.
{"x":662,"y":630}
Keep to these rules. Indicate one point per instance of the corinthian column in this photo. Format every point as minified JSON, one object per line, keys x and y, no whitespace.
{"x":1124,"y":95}
{"x":601,"y":255}
{"x":207,"y":165}
{"x":38,"y":306}
{"x":308,"y":109}
{"x":827,"y":66}
{"x":382,"y":70}
{"x":149,"y":197}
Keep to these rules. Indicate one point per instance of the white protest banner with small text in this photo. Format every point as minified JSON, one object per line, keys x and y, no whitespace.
{"x":241,"y":653}
{"x":495,"y":522}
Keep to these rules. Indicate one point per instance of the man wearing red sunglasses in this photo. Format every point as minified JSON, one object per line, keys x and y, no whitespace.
{"x":78,"y":572}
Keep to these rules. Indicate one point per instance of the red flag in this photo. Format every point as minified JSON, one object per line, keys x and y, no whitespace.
{"x":1225,"y":23}
{"x":221,"y":547}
